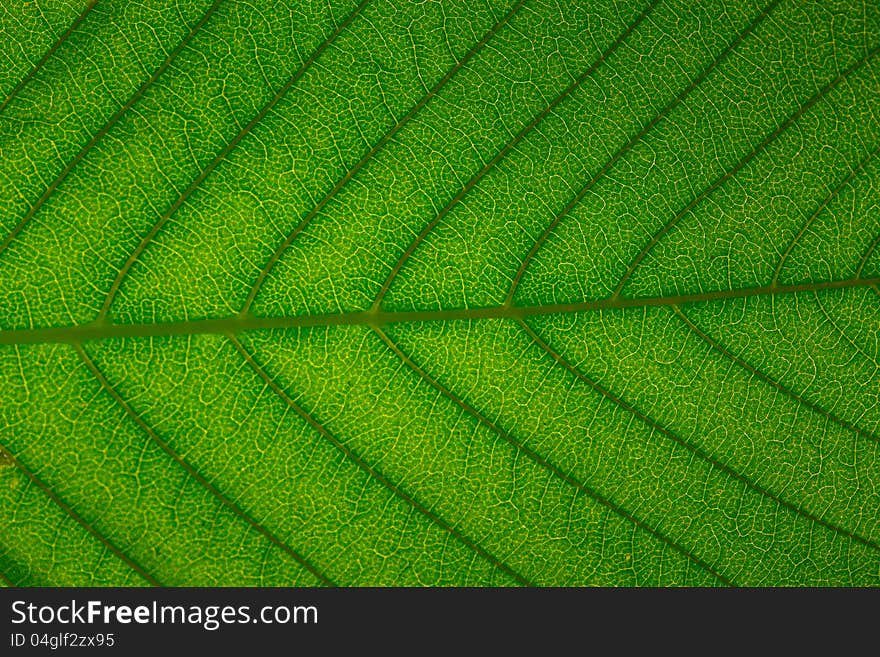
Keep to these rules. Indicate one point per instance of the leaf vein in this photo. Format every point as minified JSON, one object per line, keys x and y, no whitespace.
{"x":788,"y":392}
{"x":78,"y":333}
{"x":6,"y":579}
{"x":855,"y":345}
{"x":195,"y":474}
{"x":696,"y":451}
{"x":506,"y":149}
{"x":824,"y":204}
{"x":47,"y":55}
{"x":80,"y":520}
{"x":221,"y":157}
{"x":541,"y":461}
{"x":98,"y":136}
{"x":629,"y":145}
{"x":867,"y":256}
{"x":731,"y":173}
{"x":370,"y":470}
{"x":387,"y":137}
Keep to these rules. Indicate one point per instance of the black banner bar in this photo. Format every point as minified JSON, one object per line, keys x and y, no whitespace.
{"x":432,"y":621}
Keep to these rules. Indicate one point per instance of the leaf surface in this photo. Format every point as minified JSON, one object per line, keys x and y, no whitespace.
{"x":514,"y":292}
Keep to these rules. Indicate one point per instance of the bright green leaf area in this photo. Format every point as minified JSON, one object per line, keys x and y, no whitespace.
{"x":502,"y":292}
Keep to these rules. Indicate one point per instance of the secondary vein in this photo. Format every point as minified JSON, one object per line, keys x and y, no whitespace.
{"x":231,"y":505}
{"x":100,"y":134}
{"x":371,"y":154}
{"x":48,"y":55}
{"x":553,"y":469}
{"x":371,"y":470}
{"x":79,"y":519}
{"x":222,"y":156}
{"x":785,"y":390}
{"x":697,"y":451}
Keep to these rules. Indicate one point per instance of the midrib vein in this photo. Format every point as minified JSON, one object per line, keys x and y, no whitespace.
{"x":79,"y":333}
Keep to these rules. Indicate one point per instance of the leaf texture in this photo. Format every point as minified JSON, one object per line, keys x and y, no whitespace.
{"x":514,"y":292}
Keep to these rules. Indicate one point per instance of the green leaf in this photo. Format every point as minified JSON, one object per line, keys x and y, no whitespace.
{"x":487,"y":293}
